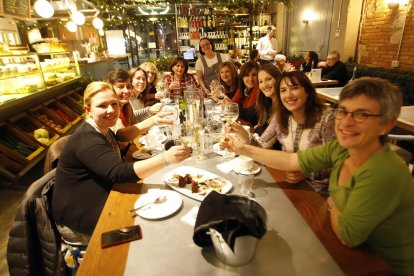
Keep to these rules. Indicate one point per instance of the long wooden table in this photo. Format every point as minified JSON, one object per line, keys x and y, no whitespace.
{"x":325,"y":83}
{"x":313,"y":208}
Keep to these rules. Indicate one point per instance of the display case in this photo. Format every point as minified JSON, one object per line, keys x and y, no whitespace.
{"x":26,"y":74}
{"x":228,"y":27}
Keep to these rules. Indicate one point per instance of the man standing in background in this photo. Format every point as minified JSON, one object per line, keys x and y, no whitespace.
{"x":267,"y":46}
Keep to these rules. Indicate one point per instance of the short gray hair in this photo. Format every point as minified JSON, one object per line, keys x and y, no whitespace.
{"x":336,"y":53}
{"x":387,"y":94}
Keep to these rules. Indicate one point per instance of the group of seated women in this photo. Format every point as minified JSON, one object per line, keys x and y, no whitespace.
{"x":371,"y":192}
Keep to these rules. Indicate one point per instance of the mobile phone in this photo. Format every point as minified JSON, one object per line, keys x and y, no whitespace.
{"x":121,"y":235}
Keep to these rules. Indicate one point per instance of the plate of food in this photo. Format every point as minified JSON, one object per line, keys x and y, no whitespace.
{"x":196,"y":183}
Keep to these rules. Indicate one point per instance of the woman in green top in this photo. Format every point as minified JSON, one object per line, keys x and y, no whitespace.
{"x":371,"y":189}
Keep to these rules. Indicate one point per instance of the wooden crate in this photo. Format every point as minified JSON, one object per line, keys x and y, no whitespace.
{"x":63,"y":111}
{"x":29,"y":124}
{"x":15,"y":138}
{"x":72,"y":104}
{"x":48,"y":117}
{"x":76,"y":97}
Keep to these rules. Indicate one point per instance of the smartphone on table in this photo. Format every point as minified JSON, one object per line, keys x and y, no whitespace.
{"x":121,"y":235}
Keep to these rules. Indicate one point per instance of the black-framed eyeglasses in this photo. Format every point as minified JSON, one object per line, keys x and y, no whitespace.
{"x":358,"y":116}
{"x":205,"y":44}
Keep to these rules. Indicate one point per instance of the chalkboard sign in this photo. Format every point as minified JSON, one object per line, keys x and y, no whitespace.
{"x":16,"y":8}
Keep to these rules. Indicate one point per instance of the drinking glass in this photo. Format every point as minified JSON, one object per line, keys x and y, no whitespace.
{"x":230,"y":115}
{"x":246,"y":185}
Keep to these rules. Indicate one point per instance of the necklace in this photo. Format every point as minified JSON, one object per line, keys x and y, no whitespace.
{"x":245,"y":93}
{"x":298,"y":133}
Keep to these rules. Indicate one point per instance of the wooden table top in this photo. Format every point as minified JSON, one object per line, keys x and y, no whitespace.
{"x":313,"y":208}
{"x":325,"y":83}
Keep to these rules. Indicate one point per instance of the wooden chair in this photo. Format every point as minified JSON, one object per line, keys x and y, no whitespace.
{"x":53,"y":154}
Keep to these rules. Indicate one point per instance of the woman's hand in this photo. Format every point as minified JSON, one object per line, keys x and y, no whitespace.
{"x":177,"y":154}
{"x":155,"y":108}
{"x":294,"y":177}
{"x":232,"y":143}
{"x":159,"y":119}
{"x":175,"y":84}
{"x":239,"y":131}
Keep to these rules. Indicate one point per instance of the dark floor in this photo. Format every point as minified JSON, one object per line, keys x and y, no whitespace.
{"x":10,"y":195}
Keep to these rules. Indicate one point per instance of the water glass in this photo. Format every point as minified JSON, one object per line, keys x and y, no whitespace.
{"x":246,"y":185}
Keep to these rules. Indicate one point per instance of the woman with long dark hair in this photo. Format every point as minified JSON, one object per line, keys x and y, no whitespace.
{"x":311,"y":61}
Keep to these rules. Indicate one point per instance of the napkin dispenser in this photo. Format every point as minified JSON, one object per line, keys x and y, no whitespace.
{"x":232,"y":224}
{"x":244,"y":248}
{"x":316,"y":75}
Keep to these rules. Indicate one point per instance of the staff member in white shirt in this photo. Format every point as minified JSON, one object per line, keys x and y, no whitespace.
{"x":267,"y":46}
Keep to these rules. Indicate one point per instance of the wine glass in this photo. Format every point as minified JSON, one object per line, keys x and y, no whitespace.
{"x":230,"y":115}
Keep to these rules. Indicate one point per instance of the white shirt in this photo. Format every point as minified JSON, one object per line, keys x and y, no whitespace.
{"x":210,"y":62}
{"x":266,"y":46}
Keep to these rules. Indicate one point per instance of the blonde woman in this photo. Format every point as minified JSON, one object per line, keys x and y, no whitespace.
{"x":91,"y":163}
{"x":152,"y":79}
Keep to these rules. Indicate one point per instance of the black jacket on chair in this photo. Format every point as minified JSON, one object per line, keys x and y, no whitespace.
{"x":34,"y":243}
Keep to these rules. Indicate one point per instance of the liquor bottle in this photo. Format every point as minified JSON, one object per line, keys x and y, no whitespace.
{"x":354,"y":71}
{"x":182,"y":102}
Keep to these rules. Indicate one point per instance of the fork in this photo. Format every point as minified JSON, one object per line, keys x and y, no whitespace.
{"x":159,"y":199}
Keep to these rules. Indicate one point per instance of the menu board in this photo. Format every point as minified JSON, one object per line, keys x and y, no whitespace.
{"x":16,"y":8}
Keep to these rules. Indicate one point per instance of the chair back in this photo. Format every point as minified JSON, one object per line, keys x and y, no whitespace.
{"x":53,"y":154}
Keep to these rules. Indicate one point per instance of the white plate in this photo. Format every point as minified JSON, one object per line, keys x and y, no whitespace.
{"x":256,"y":168}
{"x":160,"y":139}
{"x":141,"y":155}
{"x":202,"y":175}
{"x":217,"y":150}
{"x":163,"y":209}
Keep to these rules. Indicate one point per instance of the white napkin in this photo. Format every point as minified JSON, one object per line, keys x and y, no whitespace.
{"x":191,"y":216}
{"x":227,"y":167}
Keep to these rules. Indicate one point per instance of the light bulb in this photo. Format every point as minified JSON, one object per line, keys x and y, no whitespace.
{"x":44,"y":8}
{"x":101,"y":32}
{"x":71,"y":27}
{"x":78,"y":18}
{"x":97,"y":23}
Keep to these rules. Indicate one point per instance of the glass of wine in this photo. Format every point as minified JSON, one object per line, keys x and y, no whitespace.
{"x":230,"y":115}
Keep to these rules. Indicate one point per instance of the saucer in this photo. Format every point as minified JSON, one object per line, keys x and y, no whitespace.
{"x":256,"y":168}
{"x":142,"y":154}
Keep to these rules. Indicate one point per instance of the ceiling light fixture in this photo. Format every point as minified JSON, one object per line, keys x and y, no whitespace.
{"x":78,"y":18}
{"x":72,"y":27}
{"x":44,"y":8}
{"x":97,"y":23}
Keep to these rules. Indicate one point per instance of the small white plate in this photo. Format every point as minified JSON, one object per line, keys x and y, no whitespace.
{"x":256,"y":168}
{"x":217,"y":150}
{"x":160,"y":139}
{"x":163,"y":209}
{"x":141,"y":155}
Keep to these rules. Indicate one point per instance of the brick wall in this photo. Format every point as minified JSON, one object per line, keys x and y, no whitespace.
{"x":381,"y":33}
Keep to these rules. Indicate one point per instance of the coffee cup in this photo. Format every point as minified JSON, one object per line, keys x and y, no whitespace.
{"x":245,"y":163}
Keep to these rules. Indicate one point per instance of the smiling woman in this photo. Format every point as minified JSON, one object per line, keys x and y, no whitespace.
{"x":91,"y":163}
{"x":371,"y":189}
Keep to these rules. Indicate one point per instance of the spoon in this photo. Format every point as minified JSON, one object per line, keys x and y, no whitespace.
{"x":159,"y":199}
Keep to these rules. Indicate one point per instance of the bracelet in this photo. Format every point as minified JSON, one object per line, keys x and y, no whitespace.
{"x":164,"y":160}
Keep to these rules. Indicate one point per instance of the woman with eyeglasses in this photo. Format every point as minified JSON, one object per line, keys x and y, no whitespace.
{"x":371,"y":189}
{"x":91,"y":164}
{"x":208,"y":63}
{"x":131,"y":123}
{"x":152,"y":73}
{"x":298,"y":119}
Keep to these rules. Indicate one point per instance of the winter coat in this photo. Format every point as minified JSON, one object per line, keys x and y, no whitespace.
{"x":34,"y":243}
